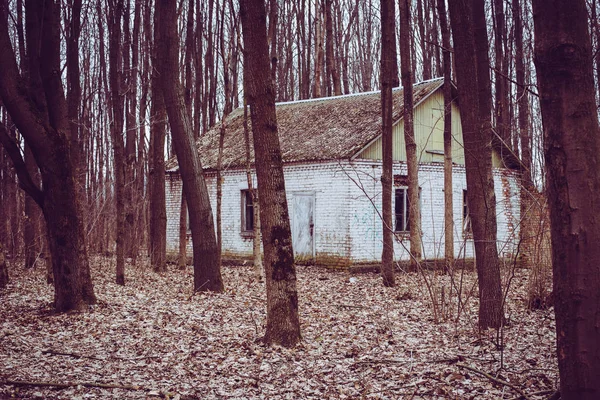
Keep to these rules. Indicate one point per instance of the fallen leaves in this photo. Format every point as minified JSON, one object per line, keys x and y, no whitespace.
{"x":155,"y":338}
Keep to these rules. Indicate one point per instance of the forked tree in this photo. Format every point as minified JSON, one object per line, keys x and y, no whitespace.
{"x":283,"y":325}
{"x":563,"y":59}
{"x":207,"y":263}
{"x":474,"y":90}
{"x":40,"y":114}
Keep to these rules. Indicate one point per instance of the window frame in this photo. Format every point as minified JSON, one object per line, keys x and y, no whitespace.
{"x":406,"y":209}
{"x":245,"y":195}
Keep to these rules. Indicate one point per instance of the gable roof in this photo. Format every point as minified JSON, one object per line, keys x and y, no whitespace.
{"x":330,"y":128}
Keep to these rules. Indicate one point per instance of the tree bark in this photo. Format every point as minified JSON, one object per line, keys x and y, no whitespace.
{"x":563,"y":60}
{"x":283,"y":325}
{"x":472,"y":71}
{"x":115,"y":13}
{"x":44,"y":126}
{"x":389,"y":79}
{"x":448,"y":187}
{"x":414,"y":216}
{"x":158,"y":208}
{"x":526,"y":231}
{"x":207,"y":272}
{"x":256,"y":253}
{"x":4,"y":279}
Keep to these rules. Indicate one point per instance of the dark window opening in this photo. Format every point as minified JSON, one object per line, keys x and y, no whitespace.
{"x":247,"y":211}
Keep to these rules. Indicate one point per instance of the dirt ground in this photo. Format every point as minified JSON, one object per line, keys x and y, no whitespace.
{"x":155,"y":338}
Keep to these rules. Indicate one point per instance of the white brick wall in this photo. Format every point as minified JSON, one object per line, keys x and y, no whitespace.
{"x":347,"y":199}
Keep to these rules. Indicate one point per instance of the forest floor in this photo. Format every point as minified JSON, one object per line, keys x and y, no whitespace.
{"x":155,"y":338}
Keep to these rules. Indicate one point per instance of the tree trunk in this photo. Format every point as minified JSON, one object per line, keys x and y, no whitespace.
{"x":158,"y":208}
{"x":115,"y":14}
{"x":472,"y":71}
{"x":32,"y":232}
{"x":332,"y":68}
{"x":414,"y":216}
{"x":283,"y":325}
{"x":44,"y":126}
{"x":526,"y":230}
{"x":389,"y":79}
{"x":3,"y":269}
{"x":256,"y":253}
{"x":572,"y":146}
{"x":207,"y":272}
{"x":448,"y":187}
{"x":318,"y":50}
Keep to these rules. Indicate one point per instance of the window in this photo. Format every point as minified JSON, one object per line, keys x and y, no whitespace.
{"x":401,"y":209}
{"x":247,"y":211}
{"x":467,"y":229}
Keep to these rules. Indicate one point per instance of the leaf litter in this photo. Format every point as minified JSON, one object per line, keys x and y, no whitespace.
{"x":155,"y":338}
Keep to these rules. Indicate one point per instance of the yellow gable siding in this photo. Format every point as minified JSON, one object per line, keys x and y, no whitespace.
{"x":429,"y":134}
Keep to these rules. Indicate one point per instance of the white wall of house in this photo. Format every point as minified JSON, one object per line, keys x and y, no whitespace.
{"x":347,"y":197}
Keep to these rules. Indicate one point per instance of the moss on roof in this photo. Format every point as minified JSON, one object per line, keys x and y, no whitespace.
{"x":331,"y":128}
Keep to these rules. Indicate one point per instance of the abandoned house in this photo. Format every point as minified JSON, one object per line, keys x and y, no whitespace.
{"x":331,"y":148}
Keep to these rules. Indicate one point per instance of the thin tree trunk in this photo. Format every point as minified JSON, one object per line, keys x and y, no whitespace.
{"x":526,"y":231}
{"x":283,"y":325}
{"x":32,"y":230}
{"x":563,"y":59}
{"x":318,"y":50}
{"x":3,"y":269}
{"x":207,"y":272}
{"x":414,"y":215}
{"x":256,"y":253}
{"x":158,"y":210}
{"x":115,"y":13}
{"x":448,"y":187}
{"x":472,"y":71}
{"x":389,"y":79}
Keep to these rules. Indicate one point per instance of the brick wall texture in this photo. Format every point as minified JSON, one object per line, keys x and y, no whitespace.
{"x":347,"y":202}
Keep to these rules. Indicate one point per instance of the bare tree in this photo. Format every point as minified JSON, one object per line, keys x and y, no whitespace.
{"x":158,"y":115}
{"x":448,"y":168}
{"x":474,"y":90}
{"x":414,"y":216}
{"x":283,"y":325}
{"x":40,"y":114}
{"x":572,"y":146}
{"x":207,"y":272}
{"x":389,"y":79}
{"x":115,"y":55}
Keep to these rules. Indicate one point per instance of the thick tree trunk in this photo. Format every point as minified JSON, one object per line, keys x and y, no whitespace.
{"x":414,"y":216}
{"x":572,"y":146}
{"x":207,"y":271}
{"x":283,"y":325}
{"x":472,"y":71}
{"x":389,"y":79}
{"x":44,"y":126}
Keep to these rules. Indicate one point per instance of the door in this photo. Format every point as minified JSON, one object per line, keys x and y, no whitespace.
{"x":303,"y":205}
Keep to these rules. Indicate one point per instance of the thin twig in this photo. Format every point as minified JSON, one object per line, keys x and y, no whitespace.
{"x":493,"y":379}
